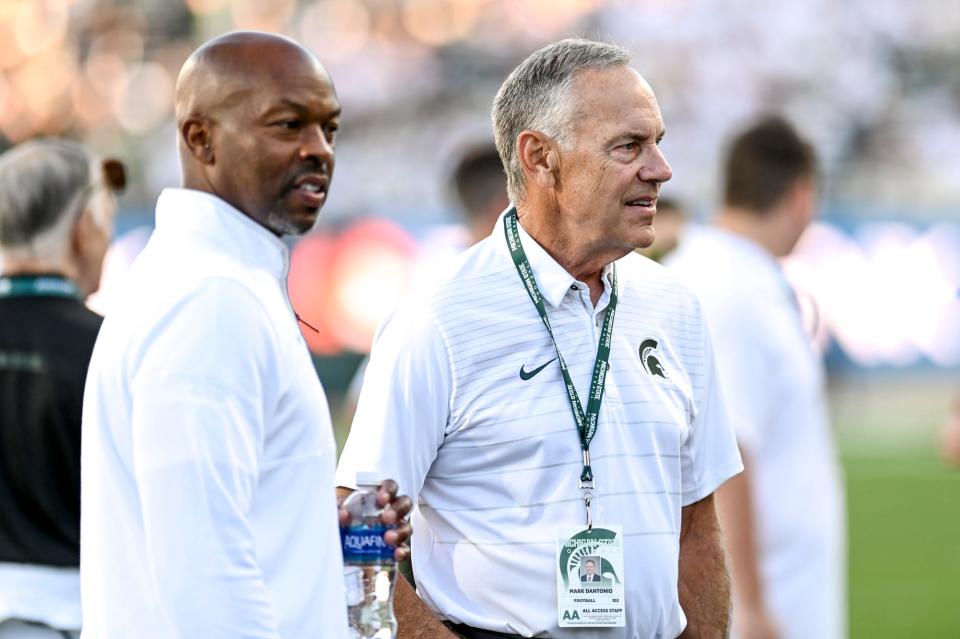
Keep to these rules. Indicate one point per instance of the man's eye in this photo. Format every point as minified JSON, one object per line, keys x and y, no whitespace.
{"x":629,"y":146}
{"x":290,"y":125}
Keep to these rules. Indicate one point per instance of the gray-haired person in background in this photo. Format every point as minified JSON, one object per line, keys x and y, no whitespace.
{"x":56,"y":217}
{"x":468,"y":401}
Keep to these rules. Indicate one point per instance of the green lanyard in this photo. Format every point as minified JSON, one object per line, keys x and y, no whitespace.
{"x":37,"y":286}
{"x":586,"y":421}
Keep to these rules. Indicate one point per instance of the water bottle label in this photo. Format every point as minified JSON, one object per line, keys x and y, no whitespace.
{"x":365,"y":545}
{"x":353,"y":582}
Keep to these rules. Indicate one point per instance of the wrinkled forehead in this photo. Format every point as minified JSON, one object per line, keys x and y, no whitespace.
{"x":312,"y":79}
{"x":612,"y":93}
{"x":300,"y":80}
{"x":298,"y":89}
{"x":619,"y":86}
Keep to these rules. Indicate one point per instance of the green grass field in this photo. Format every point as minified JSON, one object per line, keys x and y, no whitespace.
{"x":903,"y":506}
{"x":904,"y":546}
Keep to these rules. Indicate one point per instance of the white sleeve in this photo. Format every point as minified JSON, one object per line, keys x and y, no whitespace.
{"x":710,"y":455}
{"x":404,"y":405}
{"x":198,"y":432}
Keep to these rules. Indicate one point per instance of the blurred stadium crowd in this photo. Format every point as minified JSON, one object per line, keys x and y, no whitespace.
{"x":875,"y":85}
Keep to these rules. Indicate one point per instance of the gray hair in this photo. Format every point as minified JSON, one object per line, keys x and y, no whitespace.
{"x":43,"y":185}
{"x":535,"y":96}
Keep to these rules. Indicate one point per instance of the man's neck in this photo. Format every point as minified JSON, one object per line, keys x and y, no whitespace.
{"x":568,"y":248}
{"x":12,"y":266}
{"x":761,"y":229}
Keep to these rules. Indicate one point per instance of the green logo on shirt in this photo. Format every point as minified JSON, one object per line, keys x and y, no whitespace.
{"x":651,"y":358}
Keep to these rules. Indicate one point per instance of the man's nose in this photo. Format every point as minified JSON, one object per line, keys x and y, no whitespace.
{"x":656,"y":168}
{"x":314,"y":144}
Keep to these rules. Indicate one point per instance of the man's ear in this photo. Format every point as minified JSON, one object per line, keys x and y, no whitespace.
{"x":81,"y":232}
{"x":197,"y":134}
{"x":801,"y":200}
{"x":538,"y":158}
{"x":82,"y":239}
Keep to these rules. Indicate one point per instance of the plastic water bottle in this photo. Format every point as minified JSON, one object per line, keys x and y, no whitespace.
{"x":369,"y":569}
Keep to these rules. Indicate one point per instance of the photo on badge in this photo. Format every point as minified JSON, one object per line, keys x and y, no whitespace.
{"x":590,"y":569}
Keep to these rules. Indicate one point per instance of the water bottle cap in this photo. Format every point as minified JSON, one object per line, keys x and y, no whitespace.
{"x":368,"y":478}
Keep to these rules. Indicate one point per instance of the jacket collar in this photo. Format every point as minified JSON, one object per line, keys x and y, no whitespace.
{"x":204,"y":216}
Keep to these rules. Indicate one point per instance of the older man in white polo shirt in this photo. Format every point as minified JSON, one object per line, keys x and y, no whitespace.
{"x":783,"y":517}
{"x":537,"y":430}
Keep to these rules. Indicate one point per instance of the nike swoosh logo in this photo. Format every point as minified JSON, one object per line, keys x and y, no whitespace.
{"x":525,"y":375}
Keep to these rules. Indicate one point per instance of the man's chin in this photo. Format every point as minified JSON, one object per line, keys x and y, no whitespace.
{"x":293,"y":222}
{"x":645,"y":237}
{"x":306,"y":220}
{"x":301,"y":227}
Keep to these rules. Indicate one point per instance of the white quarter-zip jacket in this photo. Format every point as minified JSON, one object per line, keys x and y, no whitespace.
{"x":208,"y":505}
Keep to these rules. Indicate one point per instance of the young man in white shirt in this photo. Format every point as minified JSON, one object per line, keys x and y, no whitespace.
{"x":783,"y":517}
{"x":517,"y":480}
{"x":208,"y":508}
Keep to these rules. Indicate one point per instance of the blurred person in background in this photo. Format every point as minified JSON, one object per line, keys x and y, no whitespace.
{"x":57,"y":208}
{"x":783,"y":517}
{"x":950,"y":435}
{"x":464,"y":399}
{"x":480,"y":187}
{"x":671,"y":220}
{"x":208,"y":502}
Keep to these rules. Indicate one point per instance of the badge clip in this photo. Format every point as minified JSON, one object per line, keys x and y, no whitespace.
{"x":586,"y":489}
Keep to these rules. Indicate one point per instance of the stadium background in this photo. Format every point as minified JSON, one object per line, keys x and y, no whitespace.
{"x":875,"y":83}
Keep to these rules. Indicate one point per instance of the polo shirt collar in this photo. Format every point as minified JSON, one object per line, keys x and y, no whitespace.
{"x":552,"y":279}
{"x":204,"y":216}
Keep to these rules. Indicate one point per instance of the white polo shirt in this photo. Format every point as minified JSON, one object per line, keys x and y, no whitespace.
{"x":495,"y":458}
{"x":773,"y":384}
{"x":207,"y":500}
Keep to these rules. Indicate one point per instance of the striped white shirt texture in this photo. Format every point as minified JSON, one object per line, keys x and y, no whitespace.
{"x":208,"y":507}
{"x":463,"y":403}
{"x":774,"y":386}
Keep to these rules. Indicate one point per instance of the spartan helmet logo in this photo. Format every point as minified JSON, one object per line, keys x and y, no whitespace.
{"x":651,"y":358}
